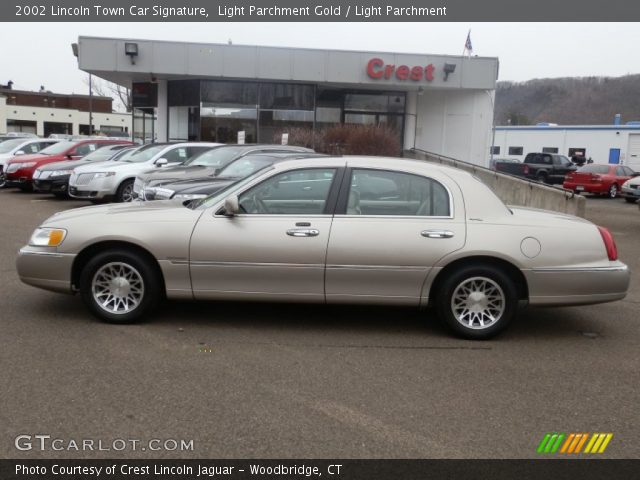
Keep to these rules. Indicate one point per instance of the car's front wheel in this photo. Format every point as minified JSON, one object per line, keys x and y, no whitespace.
{"x":125,"y":191}
{"x":120,"y":286}
{"x":477,"y":301}
{"x":630,"y":200}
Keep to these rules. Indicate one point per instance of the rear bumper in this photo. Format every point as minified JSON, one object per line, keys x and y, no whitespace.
{"x":586,"y":187}
{"x":577,"y":286}
{"x":45,"y":269}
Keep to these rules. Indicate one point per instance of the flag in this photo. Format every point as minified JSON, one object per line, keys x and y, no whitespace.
{"x":467,"y":45}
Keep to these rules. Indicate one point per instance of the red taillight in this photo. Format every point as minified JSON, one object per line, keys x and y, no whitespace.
{"x":526,"y":170}
{"x":609,"y":243}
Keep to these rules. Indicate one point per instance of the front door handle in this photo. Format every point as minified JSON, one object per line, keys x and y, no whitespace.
{"x":436,"y":233}
{"x":303,"y":232}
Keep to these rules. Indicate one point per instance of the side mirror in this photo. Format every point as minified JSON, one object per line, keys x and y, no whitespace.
{"x":19,"y":152}
{"x":231,"y":206}
{"x":161,"y":162}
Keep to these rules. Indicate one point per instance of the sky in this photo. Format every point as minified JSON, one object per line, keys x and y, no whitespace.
{"x":42,"y":52}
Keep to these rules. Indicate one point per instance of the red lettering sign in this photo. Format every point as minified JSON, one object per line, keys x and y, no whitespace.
{"x":376,"y":69}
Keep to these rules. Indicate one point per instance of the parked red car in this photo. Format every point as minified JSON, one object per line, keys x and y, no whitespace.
{"x":598,"y":179}
{"x":19,"y":171}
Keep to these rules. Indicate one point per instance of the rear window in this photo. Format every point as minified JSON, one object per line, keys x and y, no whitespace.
{"x":602,"y":169}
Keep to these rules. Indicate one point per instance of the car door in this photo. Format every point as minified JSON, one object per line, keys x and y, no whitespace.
{"x":275,"y":248}
{"x":390,"y":228}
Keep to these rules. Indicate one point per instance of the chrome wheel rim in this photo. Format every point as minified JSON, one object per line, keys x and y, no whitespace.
{"x":127,"y":193}
{"x":117,"y":288}
{"x":478,"y":303}
{"x":613,"y":191}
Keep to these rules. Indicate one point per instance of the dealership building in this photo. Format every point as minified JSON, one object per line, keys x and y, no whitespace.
{"x":210,"y":92}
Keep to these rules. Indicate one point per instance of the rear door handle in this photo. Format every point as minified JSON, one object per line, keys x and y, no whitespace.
{"x":436,"y":233}
{"x":303,"y":232}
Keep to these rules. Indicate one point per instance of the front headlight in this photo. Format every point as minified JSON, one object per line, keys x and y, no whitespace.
{"x":189,"y":196}
{"x":103,"y":174}
{"x":47,"y":237}
{"x":60,"y":173}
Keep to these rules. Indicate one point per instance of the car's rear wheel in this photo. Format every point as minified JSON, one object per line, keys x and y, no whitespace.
{"x":120,"y":286}
{"x":125,"y":191}
{"x":542,"y":177}
{"x":477,"y":301}
{"x":613,"y":191}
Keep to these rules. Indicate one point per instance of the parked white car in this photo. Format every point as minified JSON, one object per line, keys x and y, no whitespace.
{"x":20,"y":146}
{"x":114,"y":180}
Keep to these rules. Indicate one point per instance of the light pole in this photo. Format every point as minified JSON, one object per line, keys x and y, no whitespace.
{"x":493,"y":127}
{"x":90,"y":105}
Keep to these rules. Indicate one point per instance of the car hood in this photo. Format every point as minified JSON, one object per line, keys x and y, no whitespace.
{"x":112,"y":166}
{"x":65,"y":165}
{"x":164,"y":211}
{"x":206,"y":185}
{"x":157,"y":176}
{"x":33,"y":158}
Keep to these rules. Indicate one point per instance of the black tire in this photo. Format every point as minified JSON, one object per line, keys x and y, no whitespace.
{"x":26,"y":187}
{"x":3,"y":180}
{"x":630,"y":200}
{"x":613,"y":191}
{"x":147,"y":276}
{"x":125,"y":191}
{"x":542,"y":177}
{"x":478,"y":273}
{"x":61,"y":195}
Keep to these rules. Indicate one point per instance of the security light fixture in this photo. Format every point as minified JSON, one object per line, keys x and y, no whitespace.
{"x":74,"y":49}
{"x":448,"y":68}
{"x":131,"y":49}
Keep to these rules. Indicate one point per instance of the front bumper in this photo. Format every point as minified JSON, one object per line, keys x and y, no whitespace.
{"x":98,"y":188}
{"x":53,"y":185}
{"x":43,"y":268}
{"x":577,"y":285}
{"x":630,"y":192}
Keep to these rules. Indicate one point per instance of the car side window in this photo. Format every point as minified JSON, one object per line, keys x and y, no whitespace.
{"x":620,"y":172}
{"x":381,"y":192}
{"x":31,"y":148}
{"x":193,"y":151}
{"x":179,"y":154}
{"x":84,"y":149}
{"x":628,"y":171}
{"x":299,"y":192}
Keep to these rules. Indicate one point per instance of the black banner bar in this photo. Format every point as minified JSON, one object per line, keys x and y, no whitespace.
{"x":318,"y":11}
{"x":588,"y":469}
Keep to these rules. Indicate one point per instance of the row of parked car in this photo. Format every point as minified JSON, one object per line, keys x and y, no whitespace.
{"x":101,"y":170}
{"x":610,"y":180}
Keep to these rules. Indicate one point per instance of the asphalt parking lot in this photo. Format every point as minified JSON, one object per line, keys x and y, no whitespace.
{"x":296,"y":381}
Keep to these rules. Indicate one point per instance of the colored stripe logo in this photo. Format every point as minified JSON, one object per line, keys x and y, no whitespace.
{"x":573,"y":443}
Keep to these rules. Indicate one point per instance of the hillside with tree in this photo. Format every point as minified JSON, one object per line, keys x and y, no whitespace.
{"x":586,"y":100}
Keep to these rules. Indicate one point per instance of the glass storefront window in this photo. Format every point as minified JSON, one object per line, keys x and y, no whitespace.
{"x":275,"y":122}
{"x":374,"y":103}
{"x":275,"y":96}
{"x":229,"y":94}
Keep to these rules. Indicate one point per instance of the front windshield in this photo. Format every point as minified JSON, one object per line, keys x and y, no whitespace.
{"x":124,"y":153}
{"x":58,"y":148}
{"x":143,"y":154}
{"x":245,"y":166}
{"x":211,"y":200}
{"x":101,"y":154}
{"x":9,"y":145}
{"x":216,"y":158}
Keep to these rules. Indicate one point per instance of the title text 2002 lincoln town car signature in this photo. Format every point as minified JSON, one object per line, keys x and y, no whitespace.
{"x":352,"y":229}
